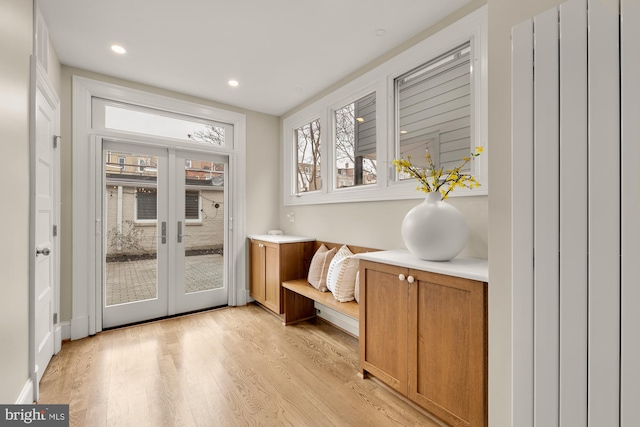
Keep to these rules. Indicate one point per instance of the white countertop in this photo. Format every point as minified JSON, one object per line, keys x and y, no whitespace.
{"x":282,"y":238}
{"x":467,"y":268}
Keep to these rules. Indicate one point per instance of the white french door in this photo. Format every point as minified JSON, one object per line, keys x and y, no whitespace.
{"x":164,"y":232}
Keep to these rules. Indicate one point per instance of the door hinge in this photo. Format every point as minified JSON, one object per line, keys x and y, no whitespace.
{"x":55,"y":140}
{"x":55,"y":231}
{"x":55,"y":318}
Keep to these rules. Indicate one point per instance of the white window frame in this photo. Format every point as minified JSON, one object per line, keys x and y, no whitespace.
{"x":472,"y":28}
{"x":86,"y":301}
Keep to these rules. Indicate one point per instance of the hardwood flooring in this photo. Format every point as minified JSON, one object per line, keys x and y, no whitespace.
{"x":234,"y":366}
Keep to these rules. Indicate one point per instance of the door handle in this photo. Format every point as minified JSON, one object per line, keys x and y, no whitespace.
{"x":179,"y":231}
{"x":45,"y":251}
{"x":163,"y":234}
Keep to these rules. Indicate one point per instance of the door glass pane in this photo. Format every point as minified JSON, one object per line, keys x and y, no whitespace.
{"x":131,"y":206}
{"x":204,"y":225}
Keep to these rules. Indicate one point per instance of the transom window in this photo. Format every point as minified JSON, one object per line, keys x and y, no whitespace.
{"x":141,"y":120}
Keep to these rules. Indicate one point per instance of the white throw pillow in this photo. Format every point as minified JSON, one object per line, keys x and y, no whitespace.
{"x":341,"y":277}
{"x":317,"y":276}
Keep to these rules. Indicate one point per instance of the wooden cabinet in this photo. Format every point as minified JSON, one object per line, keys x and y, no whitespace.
{"x":271,"y":264}
{"x":425,"y":335}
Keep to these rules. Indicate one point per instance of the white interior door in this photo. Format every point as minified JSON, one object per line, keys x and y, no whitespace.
{"x":46,"y":124}
{"x":164,"y":214}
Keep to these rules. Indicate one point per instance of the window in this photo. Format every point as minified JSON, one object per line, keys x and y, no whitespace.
{"x":141,"y":164}
{"x":187,"y":164}
{"x":432,"y":96}
{"x":355,"y":143}
{"x":433,"y":103}
{"x":130,"y":118}
{"x":147,"y":201}
{"x":307,"y":141}
{"x":146,"y":204}
{"x":121,"y":162}
{"x":192,"y":206}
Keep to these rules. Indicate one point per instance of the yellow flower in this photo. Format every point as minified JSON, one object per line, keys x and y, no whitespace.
{"x":438,"y":179}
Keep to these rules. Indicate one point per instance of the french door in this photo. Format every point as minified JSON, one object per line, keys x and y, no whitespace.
{"x":164,"y":232}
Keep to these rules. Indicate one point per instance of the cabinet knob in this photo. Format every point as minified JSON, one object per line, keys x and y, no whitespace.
{"x":410,"y":279}
{"x":401,"y":277}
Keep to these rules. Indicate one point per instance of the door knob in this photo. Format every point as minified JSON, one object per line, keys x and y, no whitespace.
{"x":45,"y":251}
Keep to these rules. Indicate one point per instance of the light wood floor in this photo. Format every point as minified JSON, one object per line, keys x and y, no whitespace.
{"x":234,"y":366}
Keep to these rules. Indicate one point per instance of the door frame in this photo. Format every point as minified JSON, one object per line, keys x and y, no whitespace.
{"x":40,"y":81}
{"x":155,"y":146}
{"x":85,"y":304}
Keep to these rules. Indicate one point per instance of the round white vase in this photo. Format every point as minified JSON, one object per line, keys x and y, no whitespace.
{"x":434,"y":230}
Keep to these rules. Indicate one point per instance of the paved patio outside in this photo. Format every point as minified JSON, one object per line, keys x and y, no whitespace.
{"x":130,"y":281}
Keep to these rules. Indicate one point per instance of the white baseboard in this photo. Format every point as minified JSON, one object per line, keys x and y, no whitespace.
{"x":340,"y":320}
{"x":66,"y":330}
{"x":62,"y":332}
{"x":26,"y":395}
{"x":79,"y":327}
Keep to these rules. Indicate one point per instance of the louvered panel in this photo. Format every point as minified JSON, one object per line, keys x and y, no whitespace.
{"x":522,"y":348}
{"x":573,"y":214}
{"x":630,"y":369}
{"x":604,"y":215}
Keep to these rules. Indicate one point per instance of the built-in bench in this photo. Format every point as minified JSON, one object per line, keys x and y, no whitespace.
{"x":300,"y":296}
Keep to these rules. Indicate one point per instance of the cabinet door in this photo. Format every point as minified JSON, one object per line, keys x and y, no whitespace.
{"x":446,"y":356}
{"x":272,"y":277}
{"x":383,"y":323}
{"x":257,"y":271}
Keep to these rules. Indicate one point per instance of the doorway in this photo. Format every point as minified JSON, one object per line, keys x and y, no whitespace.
{"x":165,"y":223}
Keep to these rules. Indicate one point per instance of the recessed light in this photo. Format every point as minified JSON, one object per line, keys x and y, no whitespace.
{"x":118,"y":49}
{"x":380,"y":32}
{"x":403,"y":132}
{"x":360,"y":120}
{"x":233,"y":83}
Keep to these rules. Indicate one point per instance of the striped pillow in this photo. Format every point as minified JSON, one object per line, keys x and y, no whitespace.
{"x":341,"y":277}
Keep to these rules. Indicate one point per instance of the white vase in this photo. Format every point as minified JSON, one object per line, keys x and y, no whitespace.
{"x":434,"y":230}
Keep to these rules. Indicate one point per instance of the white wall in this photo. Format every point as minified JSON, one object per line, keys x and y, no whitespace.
{"x":263,"y":184}
{"x":377,"y":224}
{"x":16,"y":40}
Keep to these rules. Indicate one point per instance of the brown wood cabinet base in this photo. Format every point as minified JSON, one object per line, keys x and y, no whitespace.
{"x":425,"y":335}
{"x":273,"y":263}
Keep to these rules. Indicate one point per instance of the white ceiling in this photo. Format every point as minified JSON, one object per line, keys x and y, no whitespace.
{"x":281,"y":51}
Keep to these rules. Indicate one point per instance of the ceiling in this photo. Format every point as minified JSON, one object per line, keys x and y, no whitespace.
{"x":282,"y":52}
